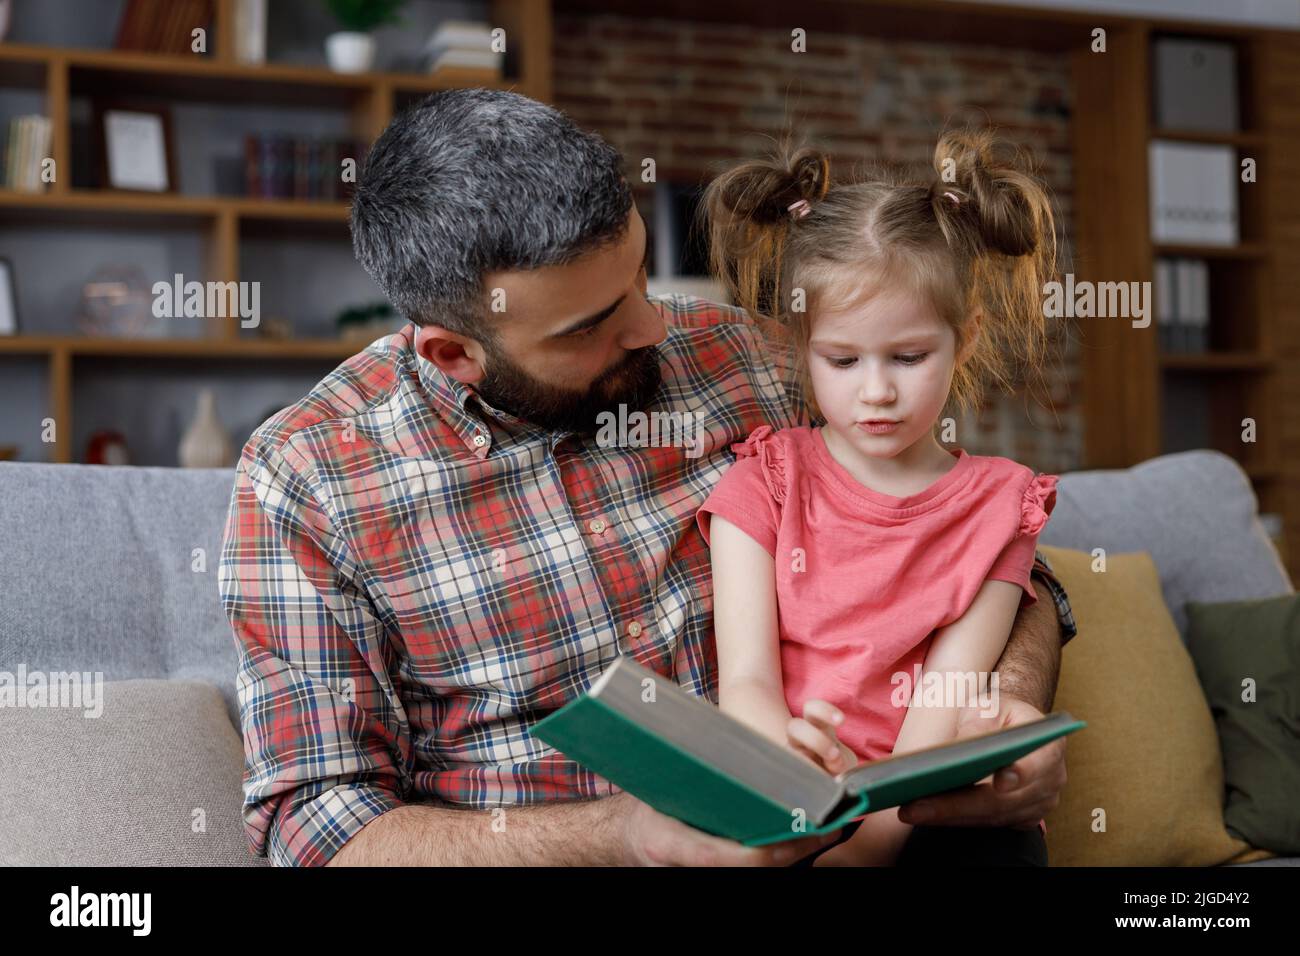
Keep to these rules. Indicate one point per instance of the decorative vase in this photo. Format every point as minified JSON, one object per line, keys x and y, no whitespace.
{"x":206,"y":444}
{"x":349,"y":52}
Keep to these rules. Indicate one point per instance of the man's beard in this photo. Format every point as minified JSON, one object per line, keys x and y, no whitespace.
{"x":508,"y":387}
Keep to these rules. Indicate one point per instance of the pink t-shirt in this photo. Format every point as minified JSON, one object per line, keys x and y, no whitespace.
{"x":876,"y":574}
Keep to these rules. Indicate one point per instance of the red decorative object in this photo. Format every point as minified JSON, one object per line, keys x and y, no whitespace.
{"x":106,"y":448}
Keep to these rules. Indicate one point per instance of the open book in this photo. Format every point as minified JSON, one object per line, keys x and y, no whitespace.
{"x":689,"y":760}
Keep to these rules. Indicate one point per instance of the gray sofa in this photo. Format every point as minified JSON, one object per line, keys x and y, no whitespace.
{"x":114,"y":570}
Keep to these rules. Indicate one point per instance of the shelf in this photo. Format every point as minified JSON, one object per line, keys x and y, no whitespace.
{"x":1240,"y":138}
{"x":1216,"y":362}
{"x":106,"y":206}
{"x":209,"y":79}
{"x":21,"y":73}
{"x":1243,"y":250}
{"x":209,"y":348}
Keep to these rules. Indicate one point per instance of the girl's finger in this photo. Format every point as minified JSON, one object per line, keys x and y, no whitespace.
{"x":822,"y":748}
{"x":830,"y":765}
{"x":828,"y":730}
{"x":822,"y":713}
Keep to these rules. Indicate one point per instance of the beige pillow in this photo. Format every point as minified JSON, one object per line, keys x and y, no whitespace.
{"x":1149,"y":757}
{"x":122,"y":787}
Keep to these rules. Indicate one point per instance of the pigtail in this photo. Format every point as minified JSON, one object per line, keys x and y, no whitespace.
{"x":976,"y":235}
{"x":997,"y":217}
{"x":748,"y":222}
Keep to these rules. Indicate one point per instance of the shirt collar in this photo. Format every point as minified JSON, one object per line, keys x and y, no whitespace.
{"x":460,"y":405}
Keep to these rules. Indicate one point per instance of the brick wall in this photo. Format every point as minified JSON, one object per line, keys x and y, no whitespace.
{"x":698,"y":97}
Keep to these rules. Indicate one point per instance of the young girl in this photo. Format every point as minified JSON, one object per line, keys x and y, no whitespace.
{"x":849,"y":555}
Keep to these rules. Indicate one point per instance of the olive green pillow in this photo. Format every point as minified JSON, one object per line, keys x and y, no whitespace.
{"x":1247,"y":656}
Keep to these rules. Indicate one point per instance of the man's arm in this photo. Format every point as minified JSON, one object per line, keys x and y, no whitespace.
{"x":585,"y":833}
{"x":326,"y":742}
{"x":1024,"y":792}
{"x":613,"y":831}
{"x":1031,"y":661}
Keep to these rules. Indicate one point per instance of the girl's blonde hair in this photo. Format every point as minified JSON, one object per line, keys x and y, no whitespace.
{"x":993,"y":248}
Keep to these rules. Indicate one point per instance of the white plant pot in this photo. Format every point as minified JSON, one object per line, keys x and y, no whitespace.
{"x":350,"y":52}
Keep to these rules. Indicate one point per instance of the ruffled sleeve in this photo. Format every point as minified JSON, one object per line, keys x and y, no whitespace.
{"x":1016,"y":561}
{"x":1037,"y":504}
{"x":763,"y":445}
{"x":750,"y":493}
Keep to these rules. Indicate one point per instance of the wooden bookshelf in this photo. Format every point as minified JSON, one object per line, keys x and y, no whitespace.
{"x":1217,"y":361}
{"x":1255,"y":284}
{"x":176,"y":348}
{"x":1253,"y":140}
{"x":1242,"y":250}
{"x":370,"y":100}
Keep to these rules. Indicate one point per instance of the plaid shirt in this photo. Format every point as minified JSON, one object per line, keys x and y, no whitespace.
{"x":414,"y":578}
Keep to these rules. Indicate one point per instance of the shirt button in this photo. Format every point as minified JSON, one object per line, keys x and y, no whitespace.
{"x":480,"y":440}
{"x":597,"y":525}
{"x":634,"y":629}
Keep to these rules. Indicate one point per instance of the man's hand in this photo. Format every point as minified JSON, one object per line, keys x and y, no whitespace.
{"x":649,"y":838}
{"x":1019,"y":795}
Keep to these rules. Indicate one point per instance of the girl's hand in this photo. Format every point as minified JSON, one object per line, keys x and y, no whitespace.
{"x":813,"y":736}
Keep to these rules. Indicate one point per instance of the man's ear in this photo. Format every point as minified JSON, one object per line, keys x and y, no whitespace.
{"x":457,"y":356}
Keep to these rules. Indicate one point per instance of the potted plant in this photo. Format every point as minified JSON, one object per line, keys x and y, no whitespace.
{"x":352,"y":50}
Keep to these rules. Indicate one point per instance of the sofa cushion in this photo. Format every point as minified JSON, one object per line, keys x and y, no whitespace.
{"x":153,"y":780}
{"x":1147,"y":765}
{"x":1259,"y":731}
{"x":114,"y":569}
{"x":1195,"y":514}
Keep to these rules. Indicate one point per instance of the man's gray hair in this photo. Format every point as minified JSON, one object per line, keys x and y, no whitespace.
{"x":473,"y":180}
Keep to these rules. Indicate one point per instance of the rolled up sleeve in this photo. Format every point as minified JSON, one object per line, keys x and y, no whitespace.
{"x":326,"y":740}
{"x":1043,"y":571}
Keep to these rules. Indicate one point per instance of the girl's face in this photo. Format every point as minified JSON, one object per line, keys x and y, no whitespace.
{"x":888,"y":360}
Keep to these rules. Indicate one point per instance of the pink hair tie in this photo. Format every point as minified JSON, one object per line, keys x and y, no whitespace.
{"x":953,"y":197}
{"x":799,"y":208}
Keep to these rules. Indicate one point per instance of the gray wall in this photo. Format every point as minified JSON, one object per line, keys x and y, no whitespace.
{"x":24,"y":401}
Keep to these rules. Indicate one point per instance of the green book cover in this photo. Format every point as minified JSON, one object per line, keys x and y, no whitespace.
{"x":652,"y":745}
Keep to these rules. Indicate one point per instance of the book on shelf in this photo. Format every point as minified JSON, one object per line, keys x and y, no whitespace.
{"x":27,"y":145}
{"x":462,"y":44}
{"x":1195,"y":84}
{"x":1183,"y":305}
{"x":686,"y":758}
{"x":1193,"y":193}
{"x":250,"y":31}
{"x":285,"y":167}
{"x":484,"y":60}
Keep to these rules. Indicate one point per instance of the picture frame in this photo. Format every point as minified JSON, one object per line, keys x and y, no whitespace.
{"x":135,"y":148}
{"x":8,"y":298}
